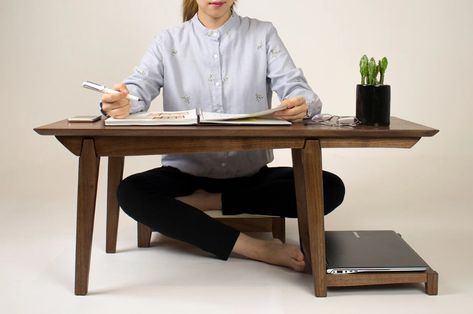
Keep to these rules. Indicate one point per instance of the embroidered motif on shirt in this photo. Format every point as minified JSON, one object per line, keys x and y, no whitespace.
{"x":186,"y":99}
{"x":211,"y":78}
{"x":259,"y":45}
{"x":173,"y":52}
{"x":274,"y":53}
{"x":140,"y":71}
{"x":259,"y":97}
{"x":225,"y":79}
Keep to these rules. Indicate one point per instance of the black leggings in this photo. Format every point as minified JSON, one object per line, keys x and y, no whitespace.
{"x":149,"y":198}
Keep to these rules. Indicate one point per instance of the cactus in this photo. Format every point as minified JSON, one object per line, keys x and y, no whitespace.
{"x":364,"y":69}
{"x":369,"y":70}
{"x":383,"y":64}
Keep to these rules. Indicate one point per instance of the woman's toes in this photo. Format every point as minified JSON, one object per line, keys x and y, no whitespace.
{"x":299,"y":266}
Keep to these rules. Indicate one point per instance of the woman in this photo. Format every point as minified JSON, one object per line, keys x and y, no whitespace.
{"x":220,"y":62}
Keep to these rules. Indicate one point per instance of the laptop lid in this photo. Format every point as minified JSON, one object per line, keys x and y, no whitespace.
{"x":369,"y":251}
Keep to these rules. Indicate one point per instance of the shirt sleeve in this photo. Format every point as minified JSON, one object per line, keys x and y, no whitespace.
{"x":147,"y":78}
{"x":287,"y":80}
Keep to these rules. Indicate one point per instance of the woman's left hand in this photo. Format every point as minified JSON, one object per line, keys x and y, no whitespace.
{"x":296,"y":109}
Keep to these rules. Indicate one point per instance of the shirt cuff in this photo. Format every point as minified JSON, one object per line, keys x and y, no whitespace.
{"x":314,"y":107}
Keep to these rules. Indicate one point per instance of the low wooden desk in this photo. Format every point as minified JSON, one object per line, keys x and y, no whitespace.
{"x":92,"y":141}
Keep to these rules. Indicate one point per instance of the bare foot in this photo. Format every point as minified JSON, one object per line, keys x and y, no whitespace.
{"x":203,"y":200}
{"x":271,"y":252}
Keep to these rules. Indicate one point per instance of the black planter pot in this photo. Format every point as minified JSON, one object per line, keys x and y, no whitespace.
{"x":373,"y":104}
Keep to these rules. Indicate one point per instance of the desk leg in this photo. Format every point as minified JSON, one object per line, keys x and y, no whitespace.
{"x":307,"y":164}
{"x":115,"y":175}
{"x":87,"y":192}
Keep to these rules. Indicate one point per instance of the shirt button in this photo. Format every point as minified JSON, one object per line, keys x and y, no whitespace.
{"x":215,"y":34}
{"x":215,"y":56}
{"x":217,"y":84}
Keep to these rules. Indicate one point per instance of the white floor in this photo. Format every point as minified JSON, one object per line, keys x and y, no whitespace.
{"x":37,"y":261}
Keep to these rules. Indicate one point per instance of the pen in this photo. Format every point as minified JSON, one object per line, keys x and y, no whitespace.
{"x":105,"y":90}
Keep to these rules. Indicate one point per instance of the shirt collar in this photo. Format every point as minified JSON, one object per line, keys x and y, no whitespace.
{"x":215,"y":33}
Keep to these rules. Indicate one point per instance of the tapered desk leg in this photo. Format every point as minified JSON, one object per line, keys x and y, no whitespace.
{"x":115,"y":175}
{"x":87,"y":193}
{"x":299,"y":182}
{"x":307,"y":164}
{"x":144,"y":235}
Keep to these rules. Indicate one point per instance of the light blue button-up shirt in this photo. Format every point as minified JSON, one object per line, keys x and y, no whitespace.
{"x":232,"y":69}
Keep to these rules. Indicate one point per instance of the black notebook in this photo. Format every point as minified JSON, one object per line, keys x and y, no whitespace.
{"x":369,"y":251}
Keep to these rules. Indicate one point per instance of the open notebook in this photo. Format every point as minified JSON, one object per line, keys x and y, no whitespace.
{"x":195,"y":116}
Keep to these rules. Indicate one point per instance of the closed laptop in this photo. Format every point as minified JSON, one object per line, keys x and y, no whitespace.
{"x":370,"y":251}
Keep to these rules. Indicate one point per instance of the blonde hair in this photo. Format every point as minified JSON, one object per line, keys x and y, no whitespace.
{"x":190,"y":8}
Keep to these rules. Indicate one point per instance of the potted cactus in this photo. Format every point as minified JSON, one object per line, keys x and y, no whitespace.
{"x":373,"y":97}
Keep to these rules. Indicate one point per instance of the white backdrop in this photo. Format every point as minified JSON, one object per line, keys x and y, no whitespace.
{"x":49,"y":47}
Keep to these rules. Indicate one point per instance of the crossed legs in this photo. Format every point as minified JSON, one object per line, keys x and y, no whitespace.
{"x":173,"y":203}
{"x":268,"y":251}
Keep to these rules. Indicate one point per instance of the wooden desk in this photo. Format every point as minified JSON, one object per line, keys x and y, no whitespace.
{"x":92,"y":141}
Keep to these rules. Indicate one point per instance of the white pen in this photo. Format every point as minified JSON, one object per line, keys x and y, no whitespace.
{"x":105,"y":90}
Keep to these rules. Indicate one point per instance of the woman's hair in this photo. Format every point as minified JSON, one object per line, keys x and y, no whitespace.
{"x":190,"y":8}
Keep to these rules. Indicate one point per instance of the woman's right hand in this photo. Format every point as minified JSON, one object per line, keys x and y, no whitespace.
{"x":116,"y":105}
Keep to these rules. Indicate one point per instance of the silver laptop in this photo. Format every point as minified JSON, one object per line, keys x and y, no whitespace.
{"x":369,"y":251}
